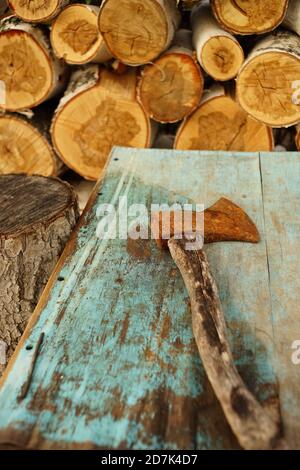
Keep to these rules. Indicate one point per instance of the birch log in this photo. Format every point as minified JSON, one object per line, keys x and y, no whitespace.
{"x":25,"y":144}
{"x":29,"y":69}
{"x":268,"y":80}
{"x":171,"y":87}
{"x":75,"y":36}
{"x":250,"y":16}
{"x":218,"y":52}
{"x":138,"y":31}
{"x":220,"y":124}
{"x":99,"y":110}
{"x":37,"y":11}
{"x":37,"y":217}
{"x":292,"y":17}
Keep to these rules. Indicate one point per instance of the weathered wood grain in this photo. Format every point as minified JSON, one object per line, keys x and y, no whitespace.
{"x":118,"y":366}
{"x":281,"y":195}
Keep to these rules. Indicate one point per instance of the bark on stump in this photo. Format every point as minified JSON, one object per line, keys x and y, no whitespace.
{"x":37,"y":217}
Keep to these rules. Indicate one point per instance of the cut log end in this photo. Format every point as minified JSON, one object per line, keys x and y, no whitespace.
{"x":265,"y":88}
{"x":35,"y":10}
{"x":141,"y":32}
{"x":222,"y":57}
{"x":220,"y":124}
{"x":250,"y":17}
{"x":171,"y":88}
{"x":75,"y":36}
{"x":85,"y":129}
{"x":28,"y":200}
{"x":23,"y":149}
{"x":25,"y":69}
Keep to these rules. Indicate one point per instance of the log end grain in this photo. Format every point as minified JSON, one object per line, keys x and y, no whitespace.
{"x":75,"y":36}
{"x":35,"y":11}
{"x":250,"y":17}
{"x":220,"y":124}
{"x":222,"y":57}
{"x":265,"y":88}
{"x":171,"y":88}
{"x":25,"y":69}
{"x":23,"y":149}
{"x":86,"y":127}
{"x":141,"y":32}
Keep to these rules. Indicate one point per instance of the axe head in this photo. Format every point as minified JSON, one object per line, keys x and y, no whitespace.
{"x":223,"y":222}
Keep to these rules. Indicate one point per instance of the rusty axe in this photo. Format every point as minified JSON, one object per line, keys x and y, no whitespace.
{"x":224,"y":221}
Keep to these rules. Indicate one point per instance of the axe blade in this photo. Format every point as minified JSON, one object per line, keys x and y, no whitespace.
{"x":223,"y":222}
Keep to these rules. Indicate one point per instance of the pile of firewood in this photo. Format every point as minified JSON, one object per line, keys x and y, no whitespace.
{"x":199,"y":75}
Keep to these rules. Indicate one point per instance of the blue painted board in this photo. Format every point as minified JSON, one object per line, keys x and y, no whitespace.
{"x":118,"y":366}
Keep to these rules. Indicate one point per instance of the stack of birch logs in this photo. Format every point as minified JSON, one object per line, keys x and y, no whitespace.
{"x":77,"y":79}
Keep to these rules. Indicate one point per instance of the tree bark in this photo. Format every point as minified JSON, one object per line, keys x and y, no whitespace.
{"x":138,"y":31}
{"x":250,"y":423}
{"x":37,"y":217}
{"x":220,"y":124}
{"x":99,"y":110}
{"x":218,"y":52}
{"x":297,"y":137}
{"x":250,"y":17}
{"x":292,"y":17}
{"x":75,"y":36}
{"x":267,"y":80}
{"x":171,"y":87}
{"x":37,"y":11}
{"x":28,"y":67}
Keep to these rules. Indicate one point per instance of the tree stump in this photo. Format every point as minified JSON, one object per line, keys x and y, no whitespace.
{"x":37,"y":217}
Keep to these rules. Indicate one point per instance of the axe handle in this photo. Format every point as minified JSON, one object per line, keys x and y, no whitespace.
{"x":250,"y":423}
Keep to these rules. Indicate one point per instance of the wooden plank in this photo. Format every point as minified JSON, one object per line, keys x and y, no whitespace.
{"x":118,"y":366}
{"x":281,"y":195}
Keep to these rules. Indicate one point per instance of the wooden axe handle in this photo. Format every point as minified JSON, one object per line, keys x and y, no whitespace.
{"x":250,"y":423}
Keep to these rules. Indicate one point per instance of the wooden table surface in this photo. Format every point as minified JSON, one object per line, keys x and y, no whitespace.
{"x":118,"y":366}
